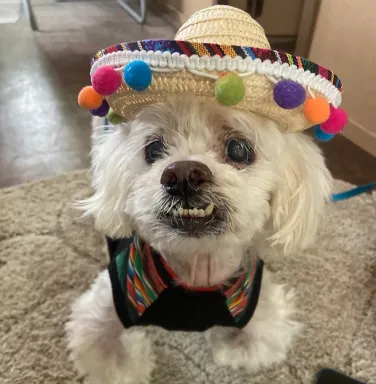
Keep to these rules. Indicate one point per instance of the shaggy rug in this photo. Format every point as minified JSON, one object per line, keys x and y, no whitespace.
{"x":48,"y":257}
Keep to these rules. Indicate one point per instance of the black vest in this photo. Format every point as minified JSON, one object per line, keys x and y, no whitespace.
{"x":147,"y":292}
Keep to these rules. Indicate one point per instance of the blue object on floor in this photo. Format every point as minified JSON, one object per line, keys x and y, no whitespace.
{"x":353,"y":192}
{"x":106,"y":124}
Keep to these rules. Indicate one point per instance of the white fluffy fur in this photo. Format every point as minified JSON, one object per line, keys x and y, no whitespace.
{"x":277,"y":201}
{"x":100,"y":345}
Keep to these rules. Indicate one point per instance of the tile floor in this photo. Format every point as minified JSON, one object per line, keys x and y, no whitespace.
{"x":42,"y":130}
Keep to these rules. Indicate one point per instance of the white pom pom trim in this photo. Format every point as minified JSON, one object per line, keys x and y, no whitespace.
{"x":202,"y":66}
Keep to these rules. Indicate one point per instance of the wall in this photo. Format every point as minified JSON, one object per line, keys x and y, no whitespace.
{"x":344,"y":40}
{"x":178,"y":11}
{"x":278,"y":17}
{"x":281,"y":17}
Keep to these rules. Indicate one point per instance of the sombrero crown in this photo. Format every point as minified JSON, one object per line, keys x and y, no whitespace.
{"x":222,"y":54}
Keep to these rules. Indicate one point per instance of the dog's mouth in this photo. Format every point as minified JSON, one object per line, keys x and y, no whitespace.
{"x":195,"y":219}
{"x":194,"y":213}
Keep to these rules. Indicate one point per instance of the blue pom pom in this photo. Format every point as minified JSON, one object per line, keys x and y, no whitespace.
{"x":288,"y":94}
{"x":137,"y":75}
{"x":320,"y":134}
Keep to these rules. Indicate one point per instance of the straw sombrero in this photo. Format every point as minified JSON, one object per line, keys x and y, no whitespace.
{"x":221,"y":54}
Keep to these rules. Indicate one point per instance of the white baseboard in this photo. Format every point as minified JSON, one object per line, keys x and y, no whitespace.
{"x":361,"y":136}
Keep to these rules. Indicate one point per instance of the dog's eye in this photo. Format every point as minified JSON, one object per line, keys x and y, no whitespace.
{"x":239,"y":151}
{"x":154,"y":151}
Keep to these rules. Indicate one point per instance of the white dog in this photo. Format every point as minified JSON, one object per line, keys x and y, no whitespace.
{"x":261,"y":188}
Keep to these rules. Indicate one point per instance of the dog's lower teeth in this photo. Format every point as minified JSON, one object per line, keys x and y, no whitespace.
{"x":193,"y":212}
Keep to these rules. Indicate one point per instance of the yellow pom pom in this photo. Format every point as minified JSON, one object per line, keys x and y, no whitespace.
{"x":89,"y":99}
{"x":317,"y":110}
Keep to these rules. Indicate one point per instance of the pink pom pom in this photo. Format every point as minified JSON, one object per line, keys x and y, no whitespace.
{"x":336,"y":122}
{"x":106,"y":81}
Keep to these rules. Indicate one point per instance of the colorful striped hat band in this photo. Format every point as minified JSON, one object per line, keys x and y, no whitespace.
{"x":291,"y":90}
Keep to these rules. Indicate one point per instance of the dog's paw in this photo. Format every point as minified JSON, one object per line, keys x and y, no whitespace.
{"x":140,"y":359}
{"x":238,"y":349}
{"x":128,"y":359}
{"x":230,"y":347}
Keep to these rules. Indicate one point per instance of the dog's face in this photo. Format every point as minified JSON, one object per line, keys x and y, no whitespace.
{"x":191,"y":176}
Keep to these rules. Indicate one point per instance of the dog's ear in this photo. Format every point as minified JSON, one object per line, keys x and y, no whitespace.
{"x":104,"y":205}
{"x":300,"y":195}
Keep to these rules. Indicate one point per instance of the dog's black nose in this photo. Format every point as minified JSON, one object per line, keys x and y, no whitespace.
{"x":185,"y":178}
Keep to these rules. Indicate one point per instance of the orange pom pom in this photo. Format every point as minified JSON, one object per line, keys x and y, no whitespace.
{"x":316,"y":110}
{"x":89,"y":99}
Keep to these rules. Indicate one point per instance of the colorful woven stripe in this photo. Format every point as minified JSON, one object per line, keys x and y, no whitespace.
{"x":238,"y":295}
{"x":142,"y":291}
{"x":207,"y":49}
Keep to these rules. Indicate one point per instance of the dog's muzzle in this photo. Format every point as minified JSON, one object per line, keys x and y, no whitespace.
{"x":192,"y":212}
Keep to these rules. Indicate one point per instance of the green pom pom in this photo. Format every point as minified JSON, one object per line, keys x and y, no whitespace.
{"x":114,"y":118}
{"x":229,"y":89}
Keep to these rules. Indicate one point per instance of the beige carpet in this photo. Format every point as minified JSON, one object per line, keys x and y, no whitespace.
{"x":48,"y":257}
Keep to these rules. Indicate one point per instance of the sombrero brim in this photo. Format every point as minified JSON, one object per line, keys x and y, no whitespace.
{"x":182,"y":66}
